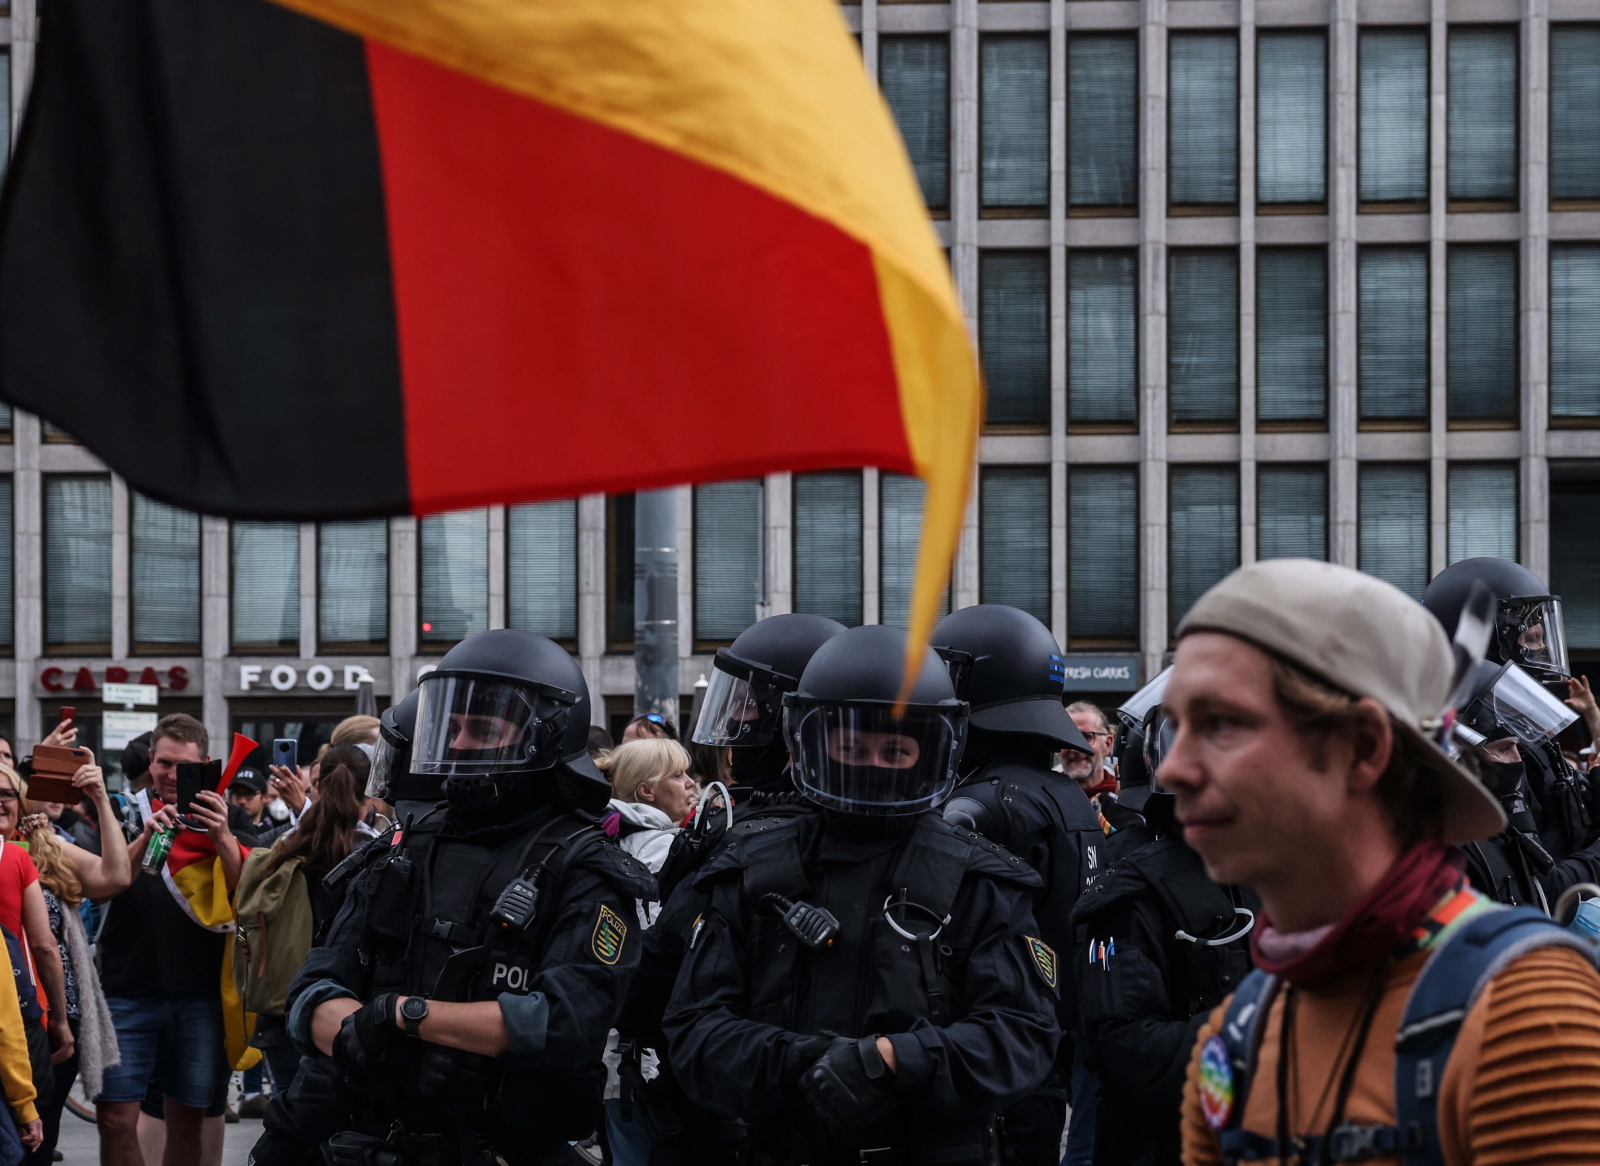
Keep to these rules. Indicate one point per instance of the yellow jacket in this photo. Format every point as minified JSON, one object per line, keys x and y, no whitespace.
{"x":16,"y":1072}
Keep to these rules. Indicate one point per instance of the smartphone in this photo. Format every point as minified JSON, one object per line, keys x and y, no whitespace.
{"x":286,"y":752}
{"x":68,"y":714}
{"x":192,"y":778}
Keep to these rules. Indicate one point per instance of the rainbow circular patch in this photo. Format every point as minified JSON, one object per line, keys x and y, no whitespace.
{"x":1216,"y":1083}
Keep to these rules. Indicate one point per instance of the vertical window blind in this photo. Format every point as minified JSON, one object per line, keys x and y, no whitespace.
{"x":914,"y":73}
{"x":1483,"y":113}
{"x":542,"y":568}
{"x":1102,"y":334}
{"x":1014,"y":131}
{"x":1291,"y":334}
{"x":1291,"y":512}
{"x":1483,"y":512}
{"x":1575,"y":111}
{"x":1203,"y":541}
{"x":8,"y":590}
{"x":827,"y":545}
{"x":899,"y":529}
{"x":453,"y":596}
{"x":266,"y":586}
{"x":77,"y":562}
{"x":1393,"y":115}
{"x":1203,"y":118}
{"x":5,"y":410}
{"x":1103,"y":120}
{"x":619,"y":553}
{"x":1292,"y":117}
{"x":1392,"y":361}
{"x":1482,"y":331}
{"x":164,"y":570}
{"x":1575,"y":558}
{"x":1574,"y":330}
{"x":1014,"y":538}
{"x":1014,"y":335}
{"x":1203,"y":338}
{"x":1393,"y":525}
{"x":1103,"y":555}
{"x":353,"y":584}
{"x":727,"y":558}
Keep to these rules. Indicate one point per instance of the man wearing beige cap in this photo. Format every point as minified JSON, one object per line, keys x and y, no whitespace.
{"x":1308,"y":702}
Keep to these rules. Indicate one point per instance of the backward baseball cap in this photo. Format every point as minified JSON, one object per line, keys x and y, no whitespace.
{"x":1367,"y":638}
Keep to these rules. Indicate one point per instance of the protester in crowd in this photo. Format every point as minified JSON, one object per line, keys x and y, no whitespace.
{"x":1308,"y":701}
{"x":599,"y":742}
{"x":16,"y":1068}
{"x":360,"y":729}
{"x":649,"y":725}
{"x":1581,"y":697}
{"x":1091,"y":772}
{"x":6,"y":755}
{"x":248,"y":791}
{"x":711,"y":763}
{"x":294,"y":787}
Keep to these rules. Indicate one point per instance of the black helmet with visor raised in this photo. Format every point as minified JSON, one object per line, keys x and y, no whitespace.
{"x":1528,"y":627}
{"x":743,"y":704}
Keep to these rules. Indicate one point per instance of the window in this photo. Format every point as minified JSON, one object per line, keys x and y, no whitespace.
{"x":266,"y":587}
{"x":1574,"y":331}
{"x":542,"y":569}
{"x":727,"y":559}
{"x":1014,"y":134}
{"x":353,"y":586}
{"x":1014,"y":538}
{"x":7,"y":572}
{"x":1393,"y":522}
{"x":5,"y":110}
{"x":1292,"y":118}
{"x":899,"y":531}
{"x":1483,"y":332}
{"x":1574,"y":112}
{"x":1393,"y":333}
{"x":165,"y":578}
{"x":1203,"y":504}
{"x":619,"y":570}
{"x":1394,"y":116}
{"x":1103,"y":121}
{"x":1483,"y":115}
{"x":1291,"y":512}
{"x":914,"y":72}
{"x":77,"y":563}
{"x":1575,"y":552}
{"x":1102,"y":334}
{"x":5,"y":421}
{"x":1483,"y":512}
{"x":1014,"y":336}
{"x":827,"y":545}
{"x":1291,"y":335}
{"x":1103,"y":556}
{"x":1203,"y":119}
{"x":453,"y":598}
{"x":1203,"y":309}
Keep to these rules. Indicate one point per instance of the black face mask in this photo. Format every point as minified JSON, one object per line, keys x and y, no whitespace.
{"x":1505,"y":777}
{"x":762,"y":766}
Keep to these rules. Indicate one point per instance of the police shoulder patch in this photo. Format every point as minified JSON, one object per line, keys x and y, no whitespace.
{"x":1043,"y":957}
{"x":609,"y":934}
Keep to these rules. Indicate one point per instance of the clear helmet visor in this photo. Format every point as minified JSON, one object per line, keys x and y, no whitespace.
{"x":1133,"y":710}
{"x":1533,"y":635}
{"x":1525,"y":708}
{"x":379,"y":782}
{"x":478,"y":724}
{"x":861,"y":759}
{"x":733,"y":713}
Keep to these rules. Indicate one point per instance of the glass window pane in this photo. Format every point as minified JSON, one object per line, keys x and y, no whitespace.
{"x":619,"y":562}
{"x":827,"y":545}
{"x":1014,"y":335}
{"x":1292,"y":335}
{"x":1574,"y":331}
{"x":165,"y":569}
{"x":1203,"y":508}
{"x":1292,"y":512}
{"x":1103,"y":555}
{"x":914,"y":72}
{"x":1575,"y":111}
{"x":1393,"y":521}
{"x":1014,"y":538}
{"x":77,"y":567}
{"x":1204,"y":335}
{"x":1483,"y":512}
{"x":1483,"y":113}
{"x":899,"y":531}
{"x":727,"y":558}
{"x":1575,"y":558}
{"x":266,"y":585}
{"x":1394,"y":115}
{"x":453,"y":551}
{"x":1393,"y":326}
{"x":1015,"y":130}
{"x":1103,"y":119}
{"x":1203,"y":118}
{"x":7,"y":575}
{"x":1483,"y":331}
{"x":542,"y":568}
{"x":1292,"y":117}
{"x":1102,"y":335}
{"x":353,"y":583}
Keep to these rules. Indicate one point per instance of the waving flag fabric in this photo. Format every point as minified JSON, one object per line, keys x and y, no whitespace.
{"x":487,"y":250}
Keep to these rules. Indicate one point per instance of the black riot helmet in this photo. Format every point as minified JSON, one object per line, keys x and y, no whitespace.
{"x":391,"y":757}
{"x":1505,"y":701}
{"x":850,"y":752}
{"x":1008,"y":667}
{"x":743,"y":705}
{"x":1528,"y":629}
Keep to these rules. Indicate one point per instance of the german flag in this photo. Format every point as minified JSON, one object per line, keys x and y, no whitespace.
{"x":331,"y":258}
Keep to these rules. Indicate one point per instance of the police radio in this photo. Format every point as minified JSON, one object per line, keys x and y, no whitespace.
{"x":518,"y":904}
{"x":812,"y":926}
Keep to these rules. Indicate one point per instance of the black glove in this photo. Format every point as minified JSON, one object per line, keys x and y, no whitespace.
{"x":850,"y":1085}
{"x":363,"y":1041}
{"x":458,"y":1081}
{"x":802,"y":1053}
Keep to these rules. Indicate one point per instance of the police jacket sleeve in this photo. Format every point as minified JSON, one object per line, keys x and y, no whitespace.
{"x":1582,"y":867}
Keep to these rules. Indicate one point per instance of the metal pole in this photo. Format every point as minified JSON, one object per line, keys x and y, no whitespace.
{"x":655,"y":603}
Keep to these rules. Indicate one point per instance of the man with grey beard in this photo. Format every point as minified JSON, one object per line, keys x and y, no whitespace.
{"x":1090,"y":772}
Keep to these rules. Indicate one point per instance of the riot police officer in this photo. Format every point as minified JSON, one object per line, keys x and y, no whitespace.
{"x":868,"y":983}
{"x":390,"y":778}
{"x":1009,"y":668}
{"x":463,"y":995}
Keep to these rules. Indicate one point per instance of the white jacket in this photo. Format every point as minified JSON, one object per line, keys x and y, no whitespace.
{"x":646,"y":834}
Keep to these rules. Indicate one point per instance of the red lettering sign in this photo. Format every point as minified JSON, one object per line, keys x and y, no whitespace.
{"x":148,"y":676}
{"x":177,"y":678}
{"x":116,"y":674}
{"x":50,"y":678}
{"x":83,"y":681}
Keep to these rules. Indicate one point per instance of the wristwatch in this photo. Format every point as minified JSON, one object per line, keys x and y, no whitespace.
{"x":412,"y":1013}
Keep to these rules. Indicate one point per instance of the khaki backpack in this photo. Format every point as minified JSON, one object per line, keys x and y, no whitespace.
{"x":273,"y":933}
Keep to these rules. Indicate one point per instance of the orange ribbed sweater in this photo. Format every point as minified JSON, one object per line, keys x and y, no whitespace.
{"x":1522,"y":1086}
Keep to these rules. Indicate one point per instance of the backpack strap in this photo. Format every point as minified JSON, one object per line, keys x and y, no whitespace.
{"x":1228,"y":1061}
